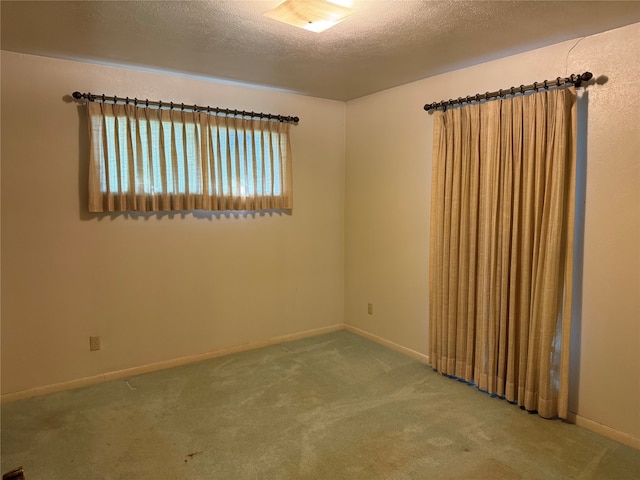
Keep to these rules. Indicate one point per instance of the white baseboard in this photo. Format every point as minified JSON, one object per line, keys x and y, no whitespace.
{"x":600,"y":429}
{"x":393,"y":346}
{"x":153,"y":367}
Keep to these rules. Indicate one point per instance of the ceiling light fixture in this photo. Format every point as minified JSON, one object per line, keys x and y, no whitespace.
{"x":313,"y":15}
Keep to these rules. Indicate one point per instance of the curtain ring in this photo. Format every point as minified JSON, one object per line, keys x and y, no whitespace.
{"x":546,"y":87}
{"x":115,"y":99}
{"x":182,"y":107}
{"x":477,"y":97}
{"x":126,"y":100}
{"x":160,"y":104}
{"x":135,"y":101}
{"x":522,"y":90}
{"x":103,"y":98}
{"x":558,"y":80}
{"x":147,"y":102}
{"x":513,"y":91}
{"x":171,"y":105}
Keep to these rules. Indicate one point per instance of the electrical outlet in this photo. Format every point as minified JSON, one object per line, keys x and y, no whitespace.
{"x":370,"y":308}
{"x":94,"y":343}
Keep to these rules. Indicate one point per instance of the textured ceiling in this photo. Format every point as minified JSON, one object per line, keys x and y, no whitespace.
{"x":385,"y":44}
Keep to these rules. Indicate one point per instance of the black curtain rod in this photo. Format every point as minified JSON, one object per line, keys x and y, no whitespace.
{"x":91,"y":97}
{"x":573,"y":79}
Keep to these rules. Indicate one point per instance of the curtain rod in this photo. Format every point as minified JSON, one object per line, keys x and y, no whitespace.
{"x":573,"y":79}
{"x":91,"y":97}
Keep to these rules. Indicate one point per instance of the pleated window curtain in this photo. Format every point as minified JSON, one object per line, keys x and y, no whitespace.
{"x":150,"y":159}
{"x":501,"y":247}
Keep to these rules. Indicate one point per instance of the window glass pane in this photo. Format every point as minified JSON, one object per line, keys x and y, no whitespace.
{"x":233,"y":167}
{"x":156,"y":158}
{"x":167,"y":148}
{"x":160,"y":156}
{"x":145,"y":173}
{"x":180,"y":157}
{"x":268,"y":167}
{"x":194,"y":166}
{"x":240,"y":155}
{"x":250,"y":162}
{"x":277,"y":179}
{"x":214,"y":152}
{"x":123,"y":154}
{"x":259,"y":160}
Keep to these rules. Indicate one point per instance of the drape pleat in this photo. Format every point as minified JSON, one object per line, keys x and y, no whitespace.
{"x":501,"y":246}
{"x":149,"y":159}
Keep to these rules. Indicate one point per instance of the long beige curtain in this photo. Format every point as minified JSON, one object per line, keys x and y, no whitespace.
{"x":148,"y":159}
{"x":501,"y":249}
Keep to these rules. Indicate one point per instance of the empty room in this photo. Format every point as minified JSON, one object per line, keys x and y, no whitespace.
{"x":314,"y":239}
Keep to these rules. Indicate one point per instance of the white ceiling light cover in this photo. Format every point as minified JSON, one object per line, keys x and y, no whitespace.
{"x":312,"y":15}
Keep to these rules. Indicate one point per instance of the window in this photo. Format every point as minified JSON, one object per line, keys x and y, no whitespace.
{"x":150,"y":159}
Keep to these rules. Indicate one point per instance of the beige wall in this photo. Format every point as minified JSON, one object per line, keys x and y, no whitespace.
{"x":388,"y":177}
{"x":154,"y":287}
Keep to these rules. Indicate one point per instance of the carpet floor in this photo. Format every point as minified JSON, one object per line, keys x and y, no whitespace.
{"x":335,"y":406}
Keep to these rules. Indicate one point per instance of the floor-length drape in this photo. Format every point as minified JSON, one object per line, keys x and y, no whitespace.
{"x":501,"y":251}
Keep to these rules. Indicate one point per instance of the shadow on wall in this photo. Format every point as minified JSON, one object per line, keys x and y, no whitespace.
{"x":578,"y":254}
{"x":83,"y":159}
{"x":83,"y":189}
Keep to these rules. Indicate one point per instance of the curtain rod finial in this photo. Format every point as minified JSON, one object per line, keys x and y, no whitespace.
{"x":76,"y":95}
